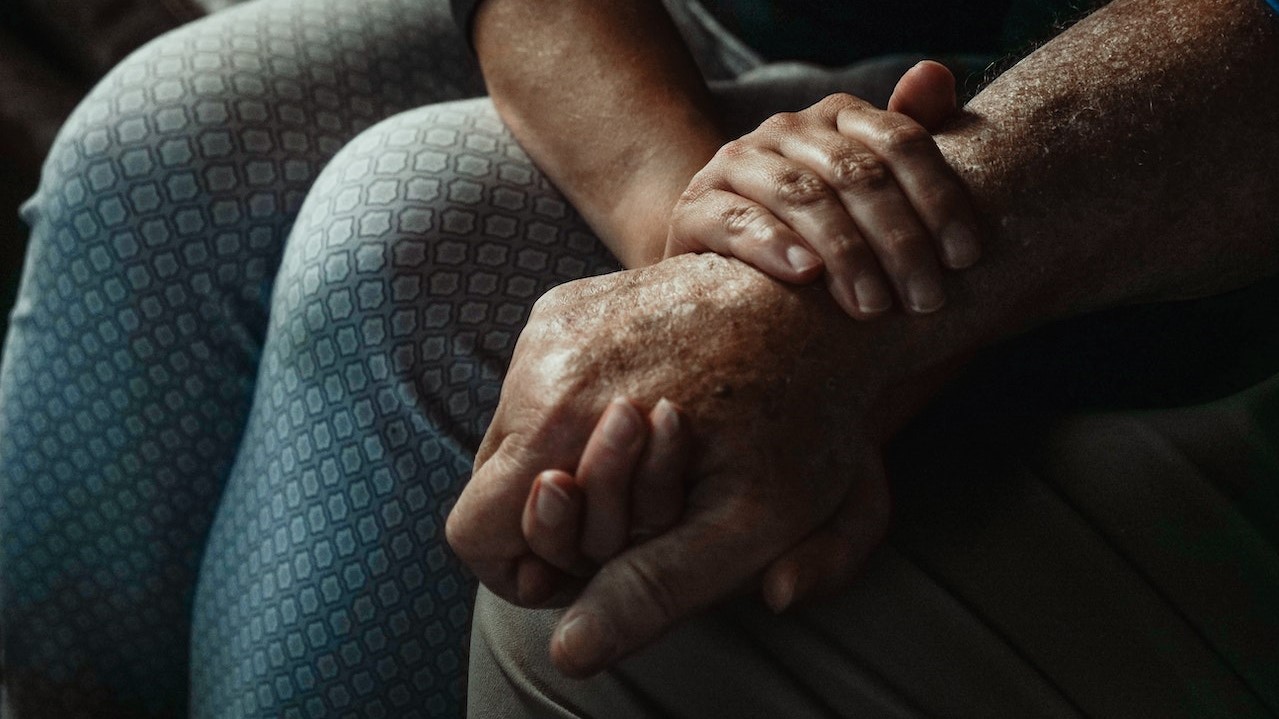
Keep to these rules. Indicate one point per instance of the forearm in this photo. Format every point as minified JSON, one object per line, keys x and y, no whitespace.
{"x":608,"y":102}
{"x":1134,"y":158}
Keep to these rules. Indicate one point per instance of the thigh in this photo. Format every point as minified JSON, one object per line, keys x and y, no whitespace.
{"x":131,"y":358}
{"x":328,"y":589}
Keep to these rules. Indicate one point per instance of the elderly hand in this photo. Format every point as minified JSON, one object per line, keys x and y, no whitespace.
{"x":787,"y":473}
{"x":862,"y":191}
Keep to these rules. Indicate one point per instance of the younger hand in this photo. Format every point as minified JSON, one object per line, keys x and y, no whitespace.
{"x":861,"y":191}
{"x":629,"y":486}
{"x":573,"y":525}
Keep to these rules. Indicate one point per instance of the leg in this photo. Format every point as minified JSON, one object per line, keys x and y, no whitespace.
{"x":327,"y":589}
{"x":131,"y":359}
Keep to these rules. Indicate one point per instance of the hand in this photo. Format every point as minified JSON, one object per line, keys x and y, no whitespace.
{"x":788,"y":472}
{"x":620,"y":498}
{"x":862,"y":191}
{"x":629,"y":486}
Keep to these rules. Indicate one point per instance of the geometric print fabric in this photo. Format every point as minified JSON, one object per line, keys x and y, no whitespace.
{"x":327,"y":589}
{"x":178,"y":404}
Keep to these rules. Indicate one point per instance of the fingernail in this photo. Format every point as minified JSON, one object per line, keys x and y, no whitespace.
{"x":587,"y":642}
{"x":666,"y":419}
{"x":780,"y":592}
{"x":872,"y":294}
{"x":960,"y":247}
{"x":801,"y":260}
{"x":551,"y":504}
{"x":924,"y":294}
{"x":620,"y":428}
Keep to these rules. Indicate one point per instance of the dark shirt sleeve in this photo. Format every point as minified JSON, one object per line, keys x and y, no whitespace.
{"x":463,"y":14}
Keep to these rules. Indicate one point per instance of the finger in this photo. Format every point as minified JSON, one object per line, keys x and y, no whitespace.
{"x":832,"y":556}
{"x":883,"y":234}
{"x":641,"y":593}
{"x":604,"y":474}
{"x":542,"y":586}
{"x":926,"y":94}
{"x":800,"y":196}
{"x":535,"y":580}
{"x":894,"y":236}
{"x":501,"y":576}
{"x":552,"y":522}
{"x":936,"y":194}
{"x":483,"y":527}
{"x":727,"y":224}
{"x":657,"y":498}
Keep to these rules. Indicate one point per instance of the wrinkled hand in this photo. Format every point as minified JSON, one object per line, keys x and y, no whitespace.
{"x":787,"y":473}
{"x":843,"y":185}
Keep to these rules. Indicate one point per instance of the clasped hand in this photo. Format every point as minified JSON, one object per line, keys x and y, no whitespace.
{"x":785,"y":476}
{"x":845,"y":191}
{"x":668,"y":437}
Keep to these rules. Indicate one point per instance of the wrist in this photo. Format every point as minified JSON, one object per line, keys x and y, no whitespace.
{"x":636,"y":224}
{"x":636,"y":227}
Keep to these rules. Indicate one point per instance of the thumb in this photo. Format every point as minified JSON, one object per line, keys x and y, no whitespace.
{"x":640,"y":594}
{"x":926,"y":94}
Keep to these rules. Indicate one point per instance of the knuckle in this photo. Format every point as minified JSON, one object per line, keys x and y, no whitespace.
{"x":798,"y":188}
{"x":858,"y":172}
{"x":900,"y":242}
{"x":845,"y":251}
{"x":735,"y":149}
{"x":783,"y":121}
{"x":834,"y":103}
{"x":743,"y":219}
{"x":457,"y":535}
{"x":694,"y":193}
{"x":902,"y":136}
{"x":544,"y":305}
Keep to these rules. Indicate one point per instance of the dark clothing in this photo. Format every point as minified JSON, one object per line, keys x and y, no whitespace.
{"x":840,"y":33}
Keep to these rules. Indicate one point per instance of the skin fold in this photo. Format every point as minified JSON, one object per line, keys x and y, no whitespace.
{"x":1134,"y":158}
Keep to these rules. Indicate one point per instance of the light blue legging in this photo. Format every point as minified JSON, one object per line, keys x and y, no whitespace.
{"x":183,"y":397}
{"x":226,"y":459}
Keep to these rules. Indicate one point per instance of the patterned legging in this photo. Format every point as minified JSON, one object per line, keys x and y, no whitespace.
{"x":183,"y":397}
{"x":226,"y":459}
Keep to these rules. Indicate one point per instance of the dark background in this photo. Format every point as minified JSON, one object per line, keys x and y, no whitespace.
{"x":51,"y":53}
